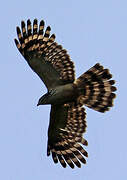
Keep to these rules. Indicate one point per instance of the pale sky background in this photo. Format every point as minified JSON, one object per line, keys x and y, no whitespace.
{"x":91,"y":31}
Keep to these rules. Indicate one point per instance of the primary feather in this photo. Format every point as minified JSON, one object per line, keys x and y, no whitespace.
{"x":66,"y":94}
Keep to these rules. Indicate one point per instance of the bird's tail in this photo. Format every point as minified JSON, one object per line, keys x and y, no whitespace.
{"x":96,"y":89}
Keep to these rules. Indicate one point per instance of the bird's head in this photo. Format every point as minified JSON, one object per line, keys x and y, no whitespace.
{"x":46,"y":98}
{"x":43,"y":100}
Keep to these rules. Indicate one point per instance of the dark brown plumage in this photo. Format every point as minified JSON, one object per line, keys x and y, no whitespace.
{"x":66,"y":94}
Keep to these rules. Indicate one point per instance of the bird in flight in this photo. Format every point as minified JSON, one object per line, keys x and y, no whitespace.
{"x":65,"y":93}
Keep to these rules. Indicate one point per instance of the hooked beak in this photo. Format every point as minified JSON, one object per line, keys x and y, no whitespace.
{"x":38,"y":104}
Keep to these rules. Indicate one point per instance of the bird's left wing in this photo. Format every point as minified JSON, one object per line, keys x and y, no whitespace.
{"x":65,"y":134}
{"x":48,"y":59}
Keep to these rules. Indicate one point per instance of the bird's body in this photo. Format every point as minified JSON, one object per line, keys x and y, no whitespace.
{"x":66,"y":94}
{"x":61,"y":94}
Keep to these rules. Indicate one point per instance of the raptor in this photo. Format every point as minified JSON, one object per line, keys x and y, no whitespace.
{"x":66,"y":94}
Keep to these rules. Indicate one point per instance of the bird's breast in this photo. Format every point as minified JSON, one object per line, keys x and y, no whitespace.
{"x":63,"y":94}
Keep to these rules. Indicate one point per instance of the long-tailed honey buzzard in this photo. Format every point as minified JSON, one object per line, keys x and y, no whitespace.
{"x":66,"y":94}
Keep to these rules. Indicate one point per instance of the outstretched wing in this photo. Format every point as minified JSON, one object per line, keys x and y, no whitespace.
{"x":65,"y":134}
{"x":48,"y":59}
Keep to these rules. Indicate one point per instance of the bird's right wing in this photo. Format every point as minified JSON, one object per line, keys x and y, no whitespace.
{"x":65,"y":134}
{"x":48,"y":59}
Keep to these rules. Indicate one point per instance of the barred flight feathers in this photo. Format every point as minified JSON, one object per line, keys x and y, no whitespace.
{"x":67,"y":95}
{"x":97,"y":88}
{"x":65,"y":134}
{"x":43,"y":53}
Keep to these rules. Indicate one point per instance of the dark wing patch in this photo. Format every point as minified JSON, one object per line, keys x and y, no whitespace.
{"x":65,"y":134}
{"x":35,"y":44}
